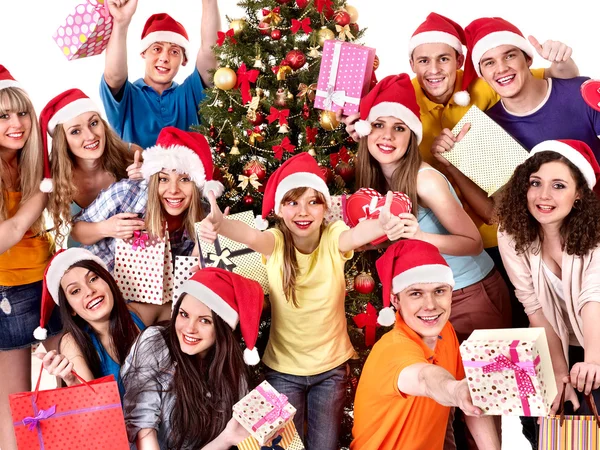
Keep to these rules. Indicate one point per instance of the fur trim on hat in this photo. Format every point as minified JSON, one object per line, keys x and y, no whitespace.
{"x":68,"y":112}
{"x":166,"y":36}
{"x":176,"y":157}
{"x":434,"y":37}
{"x":497,"y":39}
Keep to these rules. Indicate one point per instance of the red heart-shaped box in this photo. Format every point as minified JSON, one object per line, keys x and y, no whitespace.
{"x":590,"y":91}
{"x":366,"y":203}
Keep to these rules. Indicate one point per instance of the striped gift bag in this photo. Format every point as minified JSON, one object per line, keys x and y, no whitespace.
{"x":287,"y":439}
{"x":561,"y":432}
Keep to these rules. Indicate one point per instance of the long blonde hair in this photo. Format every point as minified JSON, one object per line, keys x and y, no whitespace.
{"x":290,"y":263}
{"x":404,"y":178}
{"x":30,"y":159}
{"x":155,"y":218}
{"x":115,"y":159}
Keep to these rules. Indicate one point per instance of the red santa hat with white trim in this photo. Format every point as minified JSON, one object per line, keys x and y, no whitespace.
{"x":60,"y":263}
{"x":234,"y":298}
{"x":300,"y":170}
{"x":7,"y":80}
{"x":577,"y":152}
{"x":60,"y":109}
{"x":485,"y":34}
{"x":184,"y":152}
{"x":408,"y":262}
{"x":163,"y":28}
{"x":393,"y":96}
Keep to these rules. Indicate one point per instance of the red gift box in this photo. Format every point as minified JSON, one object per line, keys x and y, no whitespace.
{"x":84,"y":417}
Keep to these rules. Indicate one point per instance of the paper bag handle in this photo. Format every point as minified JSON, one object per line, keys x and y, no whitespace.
{"x":37,"y":385}
{"x":589,"y":399}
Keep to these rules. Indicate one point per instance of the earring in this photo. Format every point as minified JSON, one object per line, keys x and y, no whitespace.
{"x":577,"y":203}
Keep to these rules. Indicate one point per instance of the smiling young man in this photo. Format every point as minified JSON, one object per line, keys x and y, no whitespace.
{"x":139,"y":110}
{"x":414,"y":374}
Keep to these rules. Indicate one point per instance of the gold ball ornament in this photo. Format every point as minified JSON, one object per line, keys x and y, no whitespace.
{"x":353,"y":13}
{"x":324,"y":34}
{"x":225,"y":78}
{"x":238,"y":25}
{"x":328,"y":121}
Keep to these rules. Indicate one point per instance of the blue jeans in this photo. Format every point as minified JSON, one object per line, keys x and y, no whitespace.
{"x":321,"y":398}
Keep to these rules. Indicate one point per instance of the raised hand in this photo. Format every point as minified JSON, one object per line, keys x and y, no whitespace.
{"x":391,"y":225}
{"x":553,"y":51}
{"x":58,"y":365}
{"x":349,"y":121}
{"x":122,"y":10}
{"x":134,"y":171}
{"x":209,"y":227}
{"x":445,"y":142}
{"x":122,"y":225}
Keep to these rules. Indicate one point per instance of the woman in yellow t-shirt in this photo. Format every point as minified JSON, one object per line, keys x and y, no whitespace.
{"x":308,"y":343}
{"x":22,"y":264}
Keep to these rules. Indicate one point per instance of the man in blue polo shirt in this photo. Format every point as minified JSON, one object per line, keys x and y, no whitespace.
{"x":139,"y":110}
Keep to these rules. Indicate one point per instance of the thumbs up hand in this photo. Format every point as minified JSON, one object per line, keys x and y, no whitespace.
{"x":134,"y":171}
{"x":391,"y":225}
{"x":209,"y":227}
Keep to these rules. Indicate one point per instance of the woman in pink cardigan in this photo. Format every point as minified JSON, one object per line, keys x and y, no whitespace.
{"x":549,"y":234}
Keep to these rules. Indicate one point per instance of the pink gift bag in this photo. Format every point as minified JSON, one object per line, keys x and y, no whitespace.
{"x":345,"y":76}
{"x":86,"y":30}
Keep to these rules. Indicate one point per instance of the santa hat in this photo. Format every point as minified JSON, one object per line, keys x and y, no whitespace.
{"x":185,"y":152}
{"x":405,"y":263}
{"x":392,"y":96}
{"x":579,"y":153}
{"x":299,"y":171}
{"x":234,"y":299}
{"x":163,"y":28}
{"x":62,"y":261}
{"x":7,"y":80}
{"x":438,"y":29}
{"x":485,"y":34}
{"x":60,"y":109}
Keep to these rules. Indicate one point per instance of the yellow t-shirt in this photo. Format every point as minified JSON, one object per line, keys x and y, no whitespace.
{"x":26,"y":261}
{"x":311,"y":338}
{"x":435,"y":117}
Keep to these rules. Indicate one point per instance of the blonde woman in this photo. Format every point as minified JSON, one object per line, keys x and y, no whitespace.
{"x":87,"y":157}
{"x":22,"y":264}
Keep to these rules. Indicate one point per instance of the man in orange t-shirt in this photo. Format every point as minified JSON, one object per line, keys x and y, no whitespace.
{"x":409,"y":381}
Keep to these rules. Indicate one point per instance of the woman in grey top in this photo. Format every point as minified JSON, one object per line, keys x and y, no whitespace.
{"x":182,"y":380}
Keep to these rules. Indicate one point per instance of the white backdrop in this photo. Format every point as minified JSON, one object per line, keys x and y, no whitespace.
{"x":29,"y":52}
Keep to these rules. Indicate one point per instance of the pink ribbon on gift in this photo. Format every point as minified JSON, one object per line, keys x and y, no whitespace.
{"x":139,"y":240}
{"x":278,"y":402}
{"x":101,"y":8}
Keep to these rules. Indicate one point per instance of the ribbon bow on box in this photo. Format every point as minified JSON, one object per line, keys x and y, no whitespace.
{"x":101,"y":7}
{"x":32,"y":422}
{"x":252,"y":180}
{"x":330,"y":95}
{"x":139,"y":240}
{"x":279,"y":402}
{"x":222,"y":257}
{"x":274,"y":445}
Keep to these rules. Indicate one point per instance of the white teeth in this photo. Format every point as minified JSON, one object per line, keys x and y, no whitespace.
{"x":15,"y":135}
{"x":162,"y":69}
{"x":386,"y":148}
{"x":174,"y":202}
{"x":434,"y":80}
{"x":546,"y":208}
{"x":93,"y":146}
{"x":429,"y":318}
{"x":189,"y":339}
{"x":303,"y":223}
{"x":505,"y":79}
{"x":95,"y":303}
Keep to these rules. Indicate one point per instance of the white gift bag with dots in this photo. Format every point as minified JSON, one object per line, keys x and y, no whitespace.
{"x":184,"y":269}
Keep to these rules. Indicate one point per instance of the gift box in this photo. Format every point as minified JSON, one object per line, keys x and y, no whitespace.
{"x":83,"y":417}
{"x":487,"y":154}
{"x":233,"y":256}
{"x":344,"y":77}
{"x":286,"y":439}
{"x":509,"y":371}
{"x":144,"y":268}
{"x":185,"y":266}
{"x":86,"y":31}
{"x":337,"y":210}
{"x":264,"y":412}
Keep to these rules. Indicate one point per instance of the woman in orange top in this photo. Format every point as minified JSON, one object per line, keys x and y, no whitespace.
{"x":22,"y":264}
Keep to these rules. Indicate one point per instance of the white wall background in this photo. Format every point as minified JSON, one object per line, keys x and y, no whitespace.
{"x":29,"y":52}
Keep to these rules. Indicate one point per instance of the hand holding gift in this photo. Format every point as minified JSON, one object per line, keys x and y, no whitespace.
{"x":445,"y":142}
{"x":391,"y":224}
{"x":122,"y":10}
{"x":208,"y":229}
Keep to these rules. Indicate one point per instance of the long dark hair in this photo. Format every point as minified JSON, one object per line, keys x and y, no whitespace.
{"x":205,"y":389}
{"x":580,"y":230}
{"x":122,"y":329}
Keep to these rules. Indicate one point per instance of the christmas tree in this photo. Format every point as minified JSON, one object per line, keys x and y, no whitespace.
{"x":260,"y":112}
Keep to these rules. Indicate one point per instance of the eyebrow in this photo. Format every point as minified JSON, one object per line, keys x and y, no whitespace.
{"x":503,"y":54}
{"x":553,"y":179}
{"x":75,"y":282}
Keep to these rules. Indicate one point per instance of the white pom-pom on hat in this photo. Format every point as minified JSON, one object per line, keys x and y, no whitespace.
{"x":214,"y":186}
{"x":363,"y":128}
{"x":40,"y":334}
{"x":251,"y":357}
{"x":462,"y":98}
{"x":261,"y":224}
{"x":46,"y":185}
{"x":386,"y":317}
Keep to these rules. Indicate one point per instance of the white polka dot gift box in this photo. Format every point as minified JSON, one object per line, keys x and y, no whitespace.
{"x":509,"y":371}
{"x":264,"y":412}
{"x":86,"y":30}
{"x":344,"y":77}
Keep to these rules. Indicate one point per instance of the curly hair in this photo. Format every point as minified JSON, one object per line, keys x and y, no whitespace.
{"x":580,"y":230}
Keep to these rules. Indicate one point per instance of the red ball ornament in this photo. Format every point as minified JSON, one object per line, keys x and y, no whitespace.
{"x":302,"y":3}
{"x":248,"y":200}
{"x":341,"y":17}
{"x":230,"y":109}
{"x":255,"y":167}
{"x":260,"y":118}
{"x":276,"y":34}
{"x":264,"y":28}
{"x":345,"y":170}
{"x":354,"y":29}
{"x":305,"y":111}
{"x":221,"y":146}
{"x":327,"y":174}
{"x":364,"y":283}
{"x":295,"y":59}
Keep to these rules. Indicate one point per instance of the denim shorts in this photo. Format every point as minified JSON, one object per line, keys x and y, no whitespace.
{"x":20,"y":316}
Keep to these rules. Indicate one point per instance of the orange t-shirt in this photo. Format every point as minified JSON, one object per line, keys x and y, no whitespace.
{"x":385,"y":418}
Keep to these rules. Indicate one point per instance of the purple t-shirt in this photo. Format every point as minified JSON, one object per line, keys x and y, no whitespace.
{"x":563,"y":115}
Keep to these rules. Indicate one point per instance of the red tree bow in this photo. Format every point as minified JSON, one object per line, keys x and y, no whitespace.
{"x":272,"y":16}
{"x":304,"y":24}
{"x":275,"y":114}
{"x":244,"y":78}
{"x":368,"y":321}
{"x":285,"y":145}
{"x":311,"y":134}
{"x":323,"y":5}
{"x":342,"y":155}
{"x":222,"y":36}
